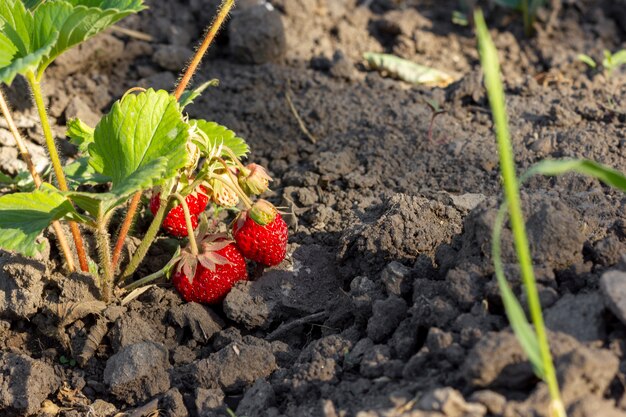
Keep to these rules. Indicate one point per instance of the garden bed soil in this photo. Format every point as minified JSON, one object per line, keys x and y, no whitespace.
{"x":387,"y":304}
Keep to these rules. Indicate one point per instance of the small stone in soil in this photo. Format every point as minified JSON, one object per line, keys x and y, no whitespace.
{"x":209,"y":402}
{"x":234,"y":367}
{"x":172,"y":57}
{"x":21,"y":285}
{"x":25,"y":383}
{"x":256,"y":399}
{"x":451,"y":403}
{"x":579,"y":315}
{"x":397,"y":279}
{"x":171,"y":404}
{"x":387,"y":316}
{"x":613,"y":286}
{"x":257,"y":35}
{"x":202,"y":321}
{"x":138,"y":372}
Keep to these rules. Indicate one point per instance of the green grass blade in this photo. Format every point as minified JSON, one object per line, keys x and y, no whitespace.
{"x":607,"y":175}
{"x":514,"y":311}
{"x":495,"y":92}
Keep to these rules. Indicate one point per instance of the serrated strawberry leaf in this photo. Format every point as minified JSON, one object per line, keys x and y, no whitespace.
{"x":85,"y":19}
{"x":32,"y":4}
{"x":101,"y":204}
{"x":7,"y":49}
{"x":139,"y":130}
{"x":40,"y":31}
{"x":82,"y":173}
{"x":24,"y":216}
{"x":80,"y":134}
{"x":216,"y":135}
{"x":29,"y":45}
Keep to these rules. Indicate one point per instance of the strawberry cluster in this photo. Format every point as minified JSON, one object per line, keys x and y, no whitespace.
{"x":212,"y":263}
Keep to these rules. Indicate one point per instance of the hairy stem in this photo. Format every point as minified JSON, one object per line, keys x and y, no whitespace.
{"x":56,"y":163}
{"x":192,"y":238}
{"x":21,"y":145}
{"x":146,"y":242}
{"x":104,"y":252}
{"x":225,"y":8}
{"x":128,"y":221}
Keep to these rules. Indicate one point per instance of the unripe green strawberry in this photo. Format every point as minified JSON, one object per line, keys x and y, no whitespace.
{"x":223,"y":195}
{"x":254,"y":179}
{"x":261,"y":234}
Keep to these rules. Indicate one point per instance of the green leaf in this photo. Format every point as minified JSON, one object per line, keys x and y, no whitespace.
{"x":49,"y":28}
{"x":102,"y":204}
{"x":607,"y":175}
{"x":190,"y":95}
{"x":82,"y":173}
{"x":6,"y":180}
{"x":218,"y":135}
{"x":85,"y":19}
{"x":80,"y":134}
{"x":32,"y":4}
{"x":139,"y":130}
{"x":7,"y":49}
{"x":24,"y":216}
{"x":587,"y":60}
{"x":514,"y":311}
{"x":29,"y":43}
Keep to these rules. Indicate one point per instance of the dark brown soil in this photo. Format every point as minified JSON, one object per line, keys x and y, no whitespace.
{"x":387,"y":304}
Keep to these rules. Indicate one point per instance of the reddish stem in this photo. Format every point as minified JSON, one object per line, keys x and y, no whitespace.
{"x":204,"y":46}
{"x":128,"y":221}
{"x":225,"y":8}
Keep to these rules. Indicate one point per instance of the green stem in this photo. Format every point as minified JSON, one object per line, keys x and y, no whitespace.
{"x":235,"y":184}
{"x":146,"y":242}
{"x":104,"y":252}
{"x":192,"y":238}
{"x":495,"y":91}
{"x":47,"y":131}
{"x":146,"y":280}
{"x":35,"y":86}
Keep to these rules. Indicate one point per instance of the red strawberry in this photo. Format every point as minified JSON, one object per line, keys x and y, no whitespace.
{"x":261,"y":234}
{"x":209,"y":276}
{"x":174,"y":221}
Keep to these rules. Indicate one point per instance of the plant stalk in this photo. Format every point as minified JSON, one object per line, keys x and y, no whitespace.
{"x":190,"y":233}
{"x":21,"y":145}
{"x":495,"y":91}
{"x":146,"y":280}
{"x":104,"y":252}
{"x":128,"y":221}
{"x":224,"y":9}
{"x":56,"y":163}
{"x":147,"y":240}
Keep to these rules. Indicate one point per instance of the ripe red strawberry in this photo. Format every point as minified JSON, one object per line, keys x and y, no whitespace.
{"x":174,"y":221}
{"x":261,"y":234}
{"x":209,"y":276}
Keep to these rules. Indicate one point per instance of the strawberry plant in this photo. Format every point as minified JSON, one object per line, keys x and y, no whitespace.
{"x":145,"y":143}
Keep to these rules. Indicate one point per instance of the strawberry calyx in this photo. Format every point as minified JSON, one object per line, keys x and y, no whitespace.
{"x":207,"y":256}
{"x":254,"y":179}
{"x":263,"y":212}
